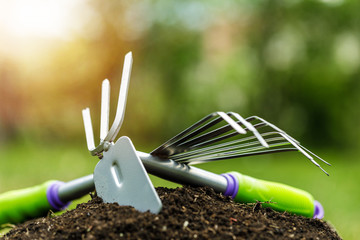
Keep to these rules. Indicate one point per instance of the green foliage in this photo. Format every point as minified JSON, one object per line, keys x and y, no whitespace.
{"x":294,"y":63}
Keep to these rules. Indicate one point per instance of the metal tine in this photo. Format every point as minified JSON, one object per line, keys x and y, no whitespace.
{"x":217,"y":132}
{"x":315,"y":155}
{"x":229,"y":147}
{"x":234,"y":151}
{"x":235,"y":154}
{"x":179,"y":136}
{"x":105,"y":135}
{"x":105,"y":109}
{"x":202,"y":140}
{"x":120,"y":110}
{"x":302,"y":151}
{"x":250,"y":127}
{"x":88,"y":129}
{"x":232,"y":123}
{"x":197,"y":128}
{"x":240,"y":155}
{"x":185,"y":146}
{"x":221,"y":138}
{"x":222,"y":130}
{"x":214,"y":136}
{"x":266,"y":123}
{"x":182,"y":137}
{"x":196,"y":148}
{"x":289,"y":141}
{"x":208,"y":135}
{"x":220,"y":147}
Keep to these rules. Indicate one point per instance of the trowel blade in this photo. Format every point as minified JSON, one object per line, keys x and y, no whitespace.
{"x":121,"y":177}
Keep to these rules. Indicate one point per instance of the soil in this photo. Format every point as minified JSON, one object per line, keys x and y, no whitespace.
{"x":188,"y":213}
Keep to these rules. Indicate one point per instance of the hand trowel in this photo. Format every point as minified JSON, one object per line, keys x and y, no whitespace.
{"x":120,"y":177}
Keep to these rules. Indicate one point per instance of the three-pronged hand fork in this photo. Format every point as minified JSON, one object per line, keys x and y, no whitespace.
{"x":120,"y":175}
{"x":108,"y":136}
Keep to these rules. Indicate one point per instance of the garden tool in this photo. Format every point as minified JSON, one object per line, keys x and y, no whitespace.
{"x":119,"y":177}
{"x":217,"y":136}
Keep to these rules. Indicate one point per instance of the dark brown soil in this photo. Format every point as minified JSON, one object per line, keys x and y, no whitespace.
{"x":188,"y":213}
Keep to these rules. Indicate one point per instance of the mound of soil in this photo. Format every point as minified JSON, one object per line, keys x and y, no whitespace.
{"x":188,"y":213}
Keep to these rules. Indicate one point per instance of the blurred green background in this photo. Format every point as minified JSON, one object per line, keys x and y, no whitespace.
{"x":294,"y":63}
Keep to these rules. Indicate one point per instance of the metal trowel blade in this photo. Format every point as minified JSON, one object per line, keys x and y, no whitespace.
{"x":120,"y":177}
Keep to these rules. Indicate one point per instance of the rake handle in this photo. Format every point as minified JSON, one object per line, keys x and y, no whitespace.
{"x":280,"y":197}
{"x":242,"y":188}
{"x":19,"y":205}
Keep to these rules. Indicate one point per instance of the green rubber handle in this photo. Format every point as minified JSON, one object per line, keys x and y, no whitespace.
{"x":20,"y":205}
{"x":278,"y":196}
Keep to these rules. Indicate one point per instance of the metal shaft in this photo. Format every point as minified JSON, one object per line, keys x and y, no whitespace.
{"x":76,"y":188}
{"x":166,"y":169}
{"x":182,"y":173}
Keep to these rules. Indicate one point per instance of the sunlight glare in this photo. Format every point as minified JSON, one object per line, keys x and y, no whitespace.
{"x":37,"y":18}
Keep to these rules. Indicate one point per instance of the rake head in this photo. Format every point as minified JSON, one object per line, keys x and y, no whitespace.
{"x":220,"y":136}
{"x":217,"y":136}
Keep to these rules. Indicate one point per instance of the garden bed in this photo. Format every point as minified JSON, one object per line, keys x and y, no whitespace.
{"x":188,"y":213}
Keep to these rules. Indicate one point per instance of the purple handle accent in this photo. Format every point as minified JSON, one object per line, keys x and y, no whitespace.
{"x":233,"y":185}
{"x":53,"y":197}
{"x":319,"y":210}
